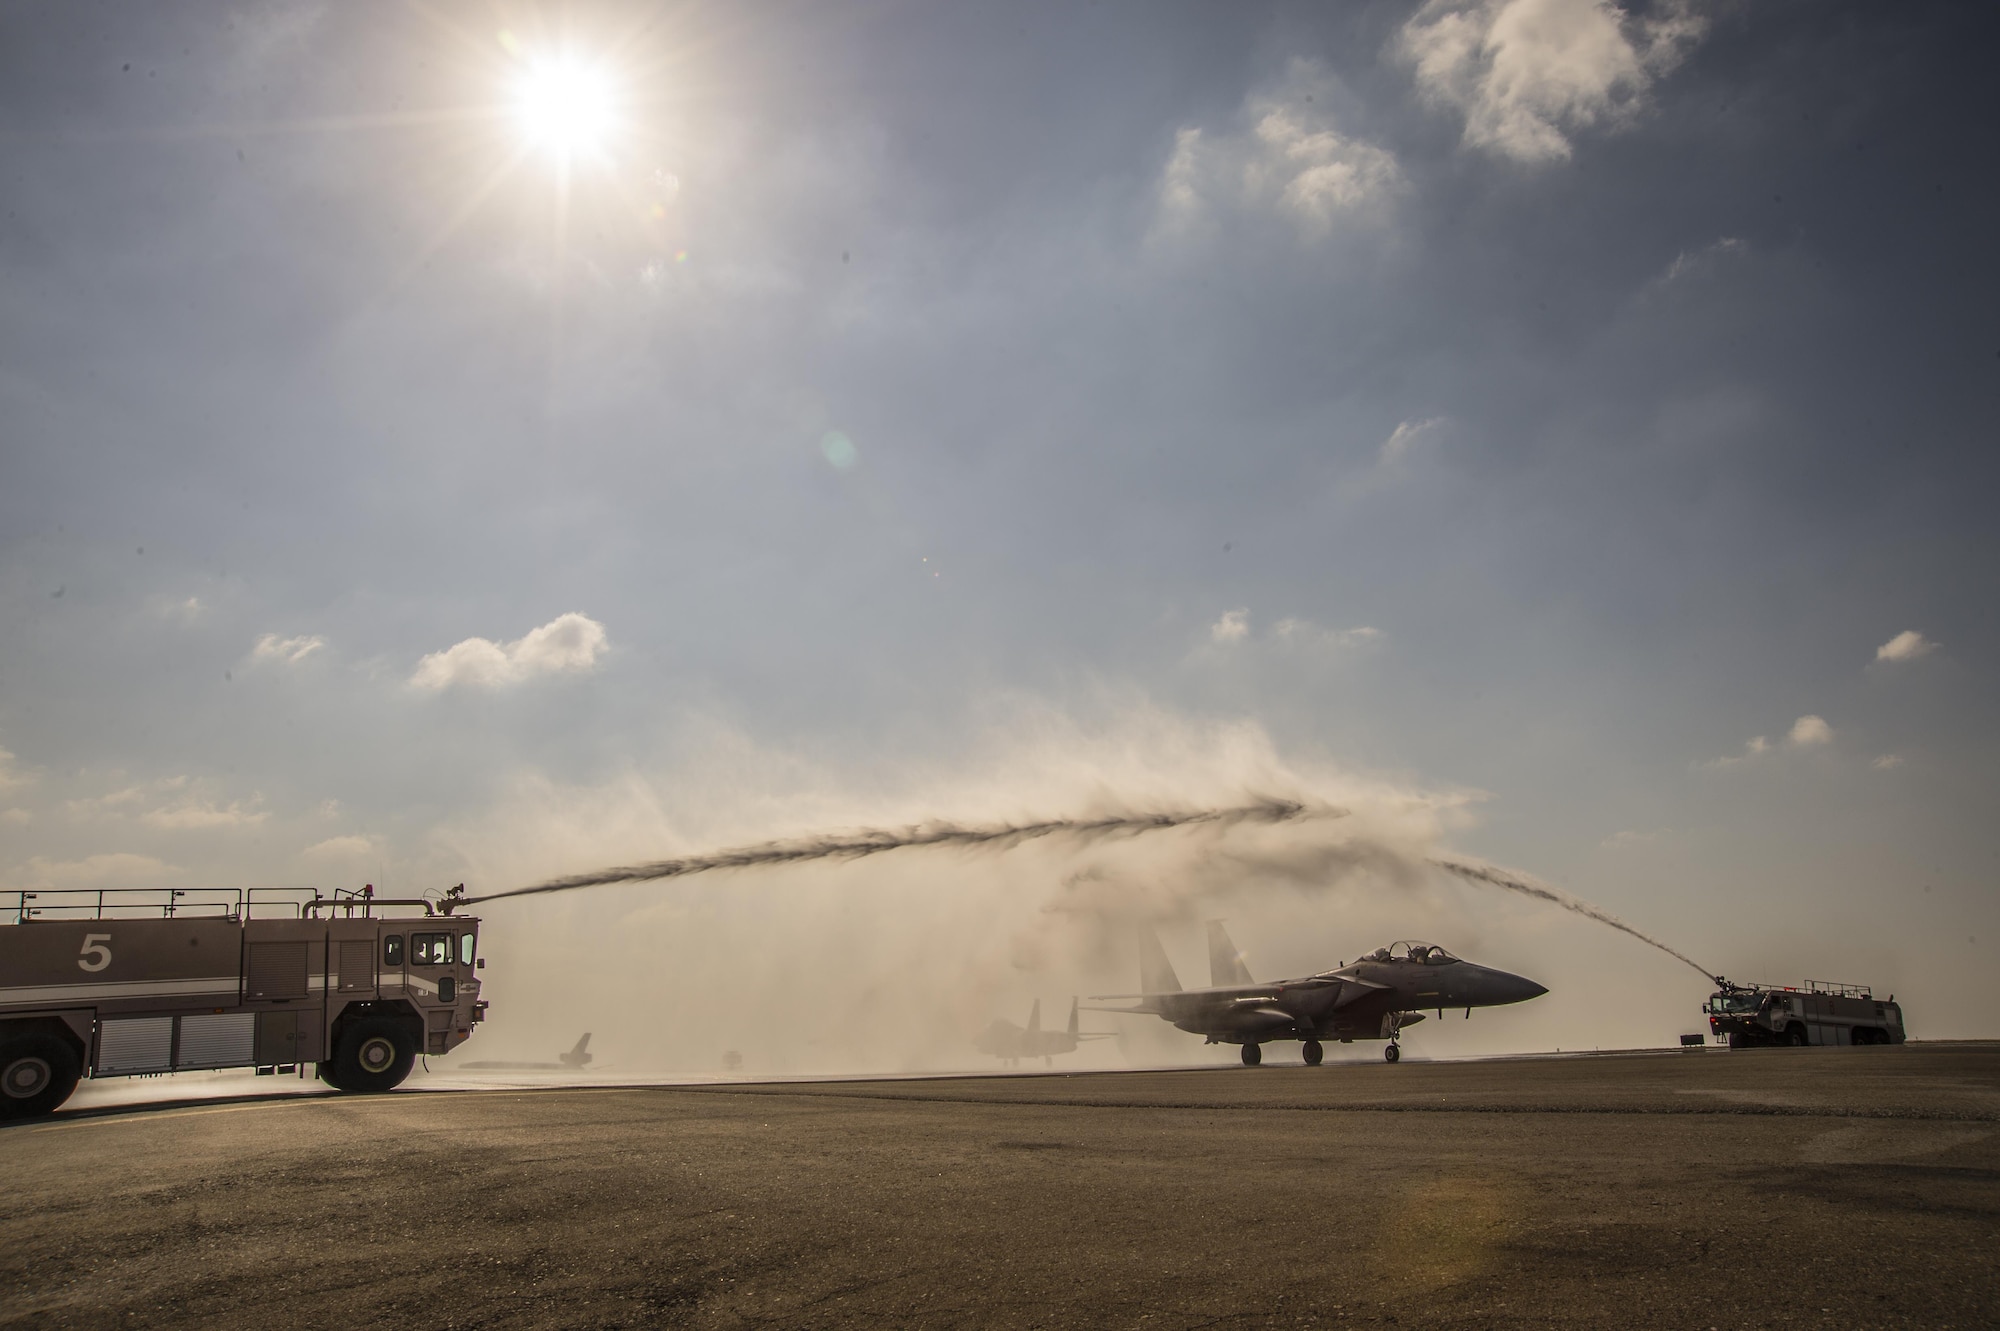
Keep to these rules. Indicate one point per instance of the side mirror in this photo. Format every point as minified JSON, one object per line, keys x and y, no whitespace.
{"x":480,"y":964}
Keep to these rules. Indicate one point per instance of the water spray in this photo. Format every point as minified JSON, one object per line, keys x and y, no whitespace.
{"x":856,"y":845}
{"x":1493,"y":876}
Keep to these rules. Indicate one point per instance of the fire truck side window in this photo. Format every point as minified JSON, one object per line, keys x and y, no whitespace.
{"x":430,"y":949}
{"x":465,"y":949}
{"x":392,"y":950}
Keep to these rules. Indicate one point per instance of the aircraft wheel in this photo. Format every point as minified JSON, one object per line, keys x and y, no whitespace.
{"x":1391,"y":1054}
{"x":1313,"y":1053}
{"x":37,"y":1073}
{"x":1253,"y":1054}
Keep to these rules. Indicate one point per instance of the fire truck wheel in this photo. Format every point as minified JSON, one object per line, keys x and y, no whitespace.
{"x":37,"y":1073}
{"x":1795,"y":1035}
{"x":373,"y":1056}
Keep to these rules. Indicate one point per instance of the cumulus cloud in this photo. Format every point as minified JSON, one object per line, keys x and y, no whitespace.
{"x":1234,"y":626}
{"x":1529,"y":74}
{"x":1290,"y":160}
{"x":566,"y":644}
{"x":339,"y":848}
{"x":1808,"y":732}
{"x":1908,"y":645}
{"x":1887,"y":762}
{"x":291,"y":651}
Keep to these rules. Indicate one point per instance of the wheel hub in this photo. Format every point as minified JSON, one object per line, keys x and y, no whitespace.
{"x":377,"y":1054}
{"x":26,"y":1077}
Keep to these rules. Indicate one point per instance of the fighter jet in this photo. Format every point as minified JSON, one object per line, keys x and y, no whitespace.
{"x":578,"y":1055}
{"x":1374,"y":998}
{"x":1004,"y":1040}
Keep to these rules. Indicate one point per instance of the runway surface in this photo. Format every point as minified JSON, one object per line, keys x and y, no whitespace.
{"x":1755,"y":1188}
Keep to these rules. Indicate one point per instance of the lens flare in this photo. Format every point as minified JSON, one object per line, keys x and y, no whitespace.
{"x":566,"y":106}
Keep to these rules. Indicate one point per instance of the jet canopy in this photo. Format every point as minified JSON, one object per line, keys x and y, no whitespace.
{"x":1412,"y":949}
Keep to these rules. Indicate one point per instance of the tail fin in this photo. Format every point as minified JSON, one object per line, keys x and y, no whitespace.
{"x":1072,"y":1018}
{"x":1156,"y":973}
{"x":583,"y":1045}
{"x":1225,"y":963}
{"x":1035,"y":1016}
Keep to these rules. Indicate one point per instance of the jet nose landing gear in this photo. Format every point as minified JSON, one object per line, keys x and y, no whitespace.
{"x":1253,"y":1054}
{"x":1392,"y":1053}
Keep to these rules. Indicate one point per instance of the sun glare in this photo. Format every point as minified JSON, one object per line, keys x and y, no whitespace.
{"x":566,"y":107}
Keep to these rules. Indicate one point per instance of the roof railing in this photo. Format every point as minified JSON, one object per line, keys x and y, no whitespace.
{"x":208,"y":903}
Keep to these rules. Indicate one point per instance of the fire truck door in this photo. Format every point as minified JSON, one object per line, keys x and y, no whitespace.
{"x":357,"y":965}
{"x":275,"y":971}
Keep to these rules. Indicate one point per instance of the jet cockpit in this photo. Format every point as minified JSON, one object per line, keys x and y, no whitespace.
{"x":1412,"y":949}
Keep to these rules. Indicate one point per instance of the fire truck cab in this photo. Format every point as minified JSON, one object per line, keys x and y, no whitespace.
{"x":130,"y":983}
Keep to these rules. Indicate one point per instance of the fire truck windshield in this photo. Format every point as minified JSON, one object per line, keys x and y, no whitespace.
{"x":1735,"y":1002}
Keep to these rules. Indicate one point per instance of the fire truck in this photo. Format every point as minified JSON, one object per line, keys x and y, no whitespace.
{"x":1815,"y":1013}
{"x":141,"y":982}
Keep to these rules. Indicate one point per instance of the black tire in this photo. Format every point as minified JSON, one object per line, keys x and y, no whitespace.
{"x":1313,"y":1052}
{"x":1391,"y":1054}
{"x":1795,"y":1035}
{"x":373,"y":1056}
{"x":37,"y":1073}
{"x":1253,"y":1054}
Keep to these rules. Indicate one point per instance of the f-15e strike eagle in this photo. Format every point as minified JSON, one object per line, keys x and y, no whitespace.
{"x":1004,"y":1040}
{"x":1372,"y":999}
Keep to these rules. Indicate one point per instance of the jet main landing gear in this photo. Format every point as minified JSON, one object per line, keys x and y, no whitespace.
{"x":1392,"y":1053}
{"x":1313,"y":1053}
{"x":1253,"y":1054}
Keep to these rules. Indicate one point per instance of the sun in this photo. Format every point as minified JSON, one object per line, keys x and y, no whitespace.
{"x":566,"y":106}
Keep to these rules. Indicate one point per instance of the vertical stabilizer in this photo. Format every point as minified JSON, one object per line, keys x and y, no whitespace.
{"x":1035,"y":1017}
{"x":1156,"y":973}
{"x":1225,"y":963}
{"x":1072,"y":1018}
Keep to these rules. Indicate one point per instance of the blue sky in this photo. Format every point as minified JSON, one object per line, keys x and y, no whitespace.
{"x":1546,"y":412}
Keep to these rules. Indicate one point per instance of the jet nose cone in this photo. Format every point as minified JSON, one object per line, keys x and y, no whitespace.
{"x":1518,"y":988}
{"x":1501,"y":987}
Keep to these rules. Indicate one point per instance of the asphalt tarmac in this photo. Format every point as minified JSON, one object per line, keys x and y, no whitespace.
{"x":1846,"y":1188}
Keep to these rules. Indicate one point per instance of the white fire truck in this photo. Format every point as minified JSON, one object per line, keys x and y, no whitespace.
{"x":1815,"y":1013}
{"x":125,"y":983}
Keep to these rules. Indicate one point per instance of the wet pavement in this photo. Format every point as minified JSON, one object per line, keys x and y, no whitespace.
{"x":1755,"y":1188}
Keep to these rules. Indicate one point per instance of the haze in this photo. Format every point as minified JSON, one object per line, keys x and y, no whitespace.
{"x":488,"y":443}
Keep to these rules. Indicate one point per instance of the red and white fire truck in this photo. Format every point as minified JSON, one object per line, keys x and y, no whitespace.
{"x":125,"y":983}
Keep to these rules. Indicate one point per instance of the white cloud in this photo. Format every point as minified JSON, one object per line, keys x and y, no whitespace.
{"x":1529,"y":74}
{"x":1405,"y":436}
{"x":1888,"y":762}
{"x":17,"y":817}
{"x":1757,"y":746}
{"x":291,"y":651}
{"x":118,"y":869}
{"x":195,"y":815}
{"x":1905,"y":646}
{"x":1234,"y":626}
{"x":1304,"y":631}
{"x":566,"y":644}
{"x":340,"y":848}
{"x":1690,"y":262}
{"x":1632,"y":839}
{"x":10,"y":774}
{"x":1808,"y":731}
{"x":1291,"y":161}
